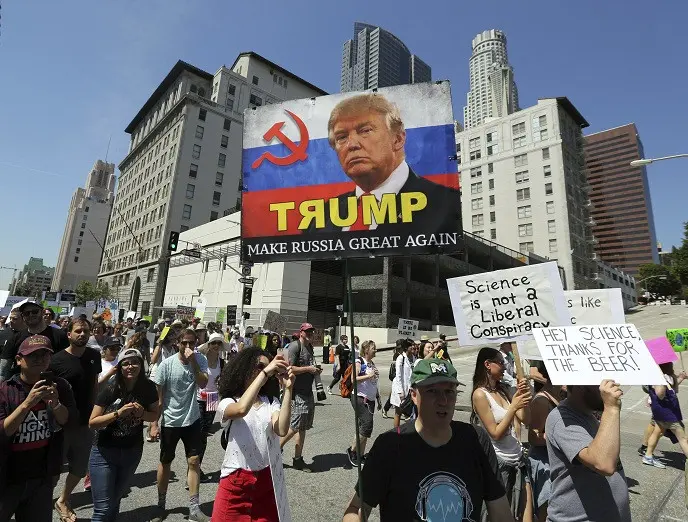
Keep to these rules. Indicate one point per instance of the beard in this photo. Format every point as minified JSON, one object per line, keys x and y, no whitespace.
{"x":79,"y":343}
{"x":593,"y":399}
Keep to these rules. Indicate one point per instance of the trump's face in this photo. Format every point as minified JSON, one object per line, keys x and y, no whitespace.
{"x":367,"y":149}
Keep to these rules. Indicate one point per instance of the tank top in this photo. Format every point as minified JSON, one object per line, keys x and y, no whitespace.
{"x":508,"y":448}
{"x":367,"y":388}
{"x":213,"y":374}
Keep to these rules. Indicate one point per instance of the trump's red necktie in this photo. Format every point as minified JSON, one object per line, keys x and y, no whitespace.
{"x":358,"y":225}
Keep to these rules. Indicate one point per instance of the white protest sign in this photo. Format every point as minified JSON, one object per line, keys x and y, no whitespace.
{"x":277,"y":472}
{"x":4,"y":294}
{"x":201,"y":304}
{"x":407,"y":328}
{"x":586,"y":307}
{"x":585,"y":355}
{"x":505,"y":305}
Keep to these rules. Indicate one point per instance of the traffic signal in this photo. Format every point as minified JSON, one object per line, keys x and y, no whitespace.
{"x":174,"y":239}
{"x":246,"y":298}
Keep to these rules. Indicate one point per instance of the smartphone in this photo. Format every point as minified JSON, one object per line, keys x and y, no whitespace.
{"x":47,"y":377}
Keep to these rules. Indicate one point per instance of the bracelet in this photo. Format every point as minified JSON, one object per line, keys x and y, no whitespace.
{"x":116,"y":412}
{"x":266,"y":373}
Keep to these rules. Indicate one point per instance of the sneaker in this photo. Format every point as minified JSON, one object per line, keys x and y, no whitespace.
{"x":642,"y":450}
{"x":383,"y":412}
{"x":87,"y":482}
{"x":651,"y":461}
{"x":353,"y":458}
{"x":329,"y":391}
{"x":197,"y":515}
{"x":300,"y":465}
{"x":159,"y":514}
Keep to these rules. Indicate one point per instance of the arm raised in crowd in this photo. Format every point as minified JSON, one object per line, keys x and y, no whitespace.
{"x":239,"y":409}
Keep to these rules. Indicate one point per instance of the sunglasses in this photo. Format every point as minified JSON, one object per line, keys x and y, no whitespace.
{"x":128,"y":364}
{"x":187,"y":343}
{"x":500,"y":362}
{"x":33,"y":311}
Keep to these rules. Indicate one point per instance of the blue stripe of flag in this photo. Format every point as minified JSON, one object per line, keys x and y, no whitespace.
{"x":428,"y":151}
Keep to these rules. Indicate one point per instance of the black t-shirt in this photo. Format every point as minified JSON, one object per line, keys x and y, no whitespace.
{"x":82,"y":374}
{"x":58,"y":339}
{"x":124,"y":432}
{"x":413,"y":481}
{"x":344,"y":352}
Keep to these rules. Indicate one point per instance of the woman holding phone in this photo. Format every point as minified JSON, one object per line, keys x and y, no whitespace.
{"x":117,"y":418}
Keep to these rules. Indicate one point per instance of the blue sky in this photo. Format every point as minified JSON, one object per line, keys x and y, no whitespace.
{"x":73,"y":74}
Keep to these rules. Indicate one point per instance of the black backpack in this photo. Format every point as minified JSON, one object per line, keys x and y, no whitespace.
{"x":224,"y":437}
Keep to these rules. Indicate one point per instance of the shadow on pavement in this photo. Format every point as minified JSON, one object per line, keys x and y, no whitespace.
{"x":329,"y":461}
{"x":673,"y":459}
{"x":631,"y":483}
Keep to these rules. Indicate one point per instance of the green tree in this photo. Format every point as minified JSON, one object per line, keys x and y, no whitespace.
{"x":26,"y":291}
{"x":658,"y":280}
{"x":679,"y":258}
{"x":87,"y":291}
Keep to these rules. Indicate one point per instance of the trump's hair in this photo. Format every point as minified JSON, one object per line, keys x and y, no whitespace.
{"x":363,"y":103}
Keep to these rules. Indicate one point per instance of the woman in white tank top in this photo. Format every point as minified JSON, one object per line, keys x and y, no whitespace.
{"x":497,"y":412}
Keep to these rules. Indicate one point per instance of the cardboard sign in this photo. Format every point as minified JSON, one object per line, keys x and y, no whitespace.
{"x":275,"y":322}
{"x":185,"y":312}
{"x":586,"y":355}
{"x":661,"y":350}
{"x":407,"y":328}
{"x":678,"y":337}
{"x":598,"y":306}
{"x":506,"y":305}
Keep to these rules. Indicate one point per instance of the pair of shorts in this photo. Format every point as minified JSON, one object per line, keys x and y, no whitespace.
{"x":669,"y":425}
{"x":366,"y":410}
{"x":302,"y":412}
{"x":76,"y":450}
{"x":191,"y":436}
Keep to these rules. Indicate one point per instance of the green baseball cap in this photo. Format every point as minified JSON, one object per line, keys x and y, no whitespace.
{"x":432,"y":371}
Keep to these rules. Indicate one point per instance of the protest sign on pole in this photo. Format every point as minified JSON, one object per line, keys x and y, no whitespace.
{"x":586,"y":355}
{"x":678,"y":337}
{"x":309,"y":195}
{"x":661,"y":350}
{"x":505,"y":305}
{"x":201,"y":304}
{"x":4,"y":294}
{"x":275,"y":322}
{"x":407,"y":328}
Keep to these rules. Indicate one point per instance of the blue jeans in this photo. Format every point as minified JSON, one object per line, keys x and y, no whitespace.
{"x":111,"y":472}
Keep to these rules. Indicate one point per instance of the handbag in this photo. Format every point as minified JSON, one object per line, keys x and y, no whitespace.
{"x":406,"y":405}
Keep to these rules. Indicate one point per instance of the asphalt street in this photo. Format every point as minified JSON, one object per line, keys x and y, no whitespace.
{"x":656,"y":495}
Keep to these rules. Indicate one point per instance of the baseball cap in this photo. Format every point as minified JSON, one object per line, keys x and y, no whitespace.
{"x":424,"y":338}
{"x":29,"y":302}
{"x":34,"y":343}
{"x":201,"y":326}
{"x":432,"y":371}
{"x":305,"y":327}
{"x":113,"y":341}
{"x":129,"y":353}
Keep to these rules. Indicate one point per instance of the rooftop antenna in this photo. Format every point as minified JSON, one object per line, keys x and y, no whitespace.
{"x":108,"y":148}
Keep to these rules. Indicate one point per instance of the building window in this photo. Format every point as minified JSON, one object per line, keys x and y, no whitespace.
{"x":526,"y":229}
{"x":83,"y":225}
{"x":201,"y":114}
{"x":219,"y":176}
{"x":186,"y":213}
{"x":490,"y":184}
{"x":518,"y":128}
{"x":86,"y":209}
{"x":190,"y":189}
{"x":526,"y":248}
{"x":183,"y":228}
{"x":213,"y":215}
{"x":550,"y":207}
{"x":493,"y":217}
{"x":523,"y":194}
{"x":524,"y":212}
{"x":491,"y":136}
{"x":490,"y":168}
{"x":475,"y":154}
{"x":78,"y":250}
{"x":492,"y":201}
{"x":474,"y":143}
{"x":520,"y":160}
{"x":196,"y":152}
{"x":221,"y":160}
{"x":193,"y":170}
{"x":216,"y":198}
{"x":476,"y":188}
{"x":477,"y":203}
{"x":552,"y":245}
{"x":150,"y":275}
{"x":227,"y":125}
{"x":552,"y":226}
{"x":522,"y":177}
{"x":548,"y":189}
{"x":230,"y":105}
{"x":492,"y":149}
{"x":76,"y":259}
{"x":493,"y":234}
{"x":199,"y":131}
{"x":231,"y":89}
{"x":81,"y":234}
{"x":255,"y":80}
{"x":224,"y":141}
{"x":476,"y":172}
{"x":478,"y":220}
{"x":545,"y":153}
{"x":79,"y":242}
{"x":520,"y":141}
{"x":547,"y":170}
{"x":255,"y":100}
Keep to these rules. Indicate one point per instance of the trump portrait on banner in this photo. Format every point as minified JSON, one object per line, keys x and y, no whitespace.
{"x":368,"y":135}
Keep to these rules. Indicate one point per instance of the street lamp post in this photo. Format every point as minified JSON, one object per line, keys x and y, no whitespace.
{"x":661,"y":277}
{"x":647,"y":161}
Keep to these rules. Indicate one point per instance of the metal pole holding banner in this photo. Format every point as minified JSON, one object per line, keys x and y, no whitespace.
{"x":354,"y":393}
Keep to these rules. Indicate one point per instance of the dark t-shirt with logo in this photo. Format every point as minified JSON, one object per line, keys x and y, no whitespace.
{"x":81,"y":373}
{"x":124,"y":432}
{"x":413,"y":481}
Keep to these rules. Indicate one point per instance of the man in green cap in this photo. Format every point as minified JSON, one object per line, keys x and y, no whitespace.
{"x":433,"y":466}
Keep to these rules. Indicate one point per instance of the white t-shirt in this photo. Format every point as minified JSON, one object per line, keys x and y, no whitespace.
{"x":213,"y":374}
{"x":247,"y":444}
{"x":367,"y":388}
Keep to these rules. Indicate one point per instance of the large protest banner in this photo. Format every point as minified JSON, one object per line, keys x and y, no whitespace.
{"x":350,"y":175}
{"x":586,"y":355}
{"x":505,"y":305}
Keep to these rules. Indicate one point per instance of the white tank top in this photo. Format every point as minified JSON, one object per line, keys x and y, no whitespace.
{"x":508,"y":448}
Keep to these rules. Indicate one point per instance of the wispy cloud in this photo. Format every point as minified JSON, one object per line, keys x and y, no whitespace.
{"x":31,"y":169}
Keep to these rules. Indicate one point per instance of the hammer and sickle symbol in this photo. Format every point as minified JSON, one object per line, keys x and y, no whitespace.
{"x":298,"y":152}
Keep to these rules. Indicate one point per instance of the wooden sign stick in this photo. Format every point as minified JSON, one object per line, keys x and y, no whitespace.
{"x":517,"y":362}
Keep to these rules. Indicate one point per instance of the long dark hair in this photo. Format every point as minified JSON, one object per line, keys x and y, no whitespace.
{"x":480,"y":378}
{"x":234,"y":379}
{"x":668,"y":369}
{"x":270,"y":348}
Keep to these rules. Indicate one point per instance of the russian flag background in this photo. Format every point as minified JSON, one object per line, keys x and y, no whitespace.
{"x":430,"y":149}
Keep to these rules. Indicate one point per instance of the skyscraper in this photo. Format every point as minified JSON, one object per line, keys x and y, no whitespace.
{"x":493,"y":92}
{"x":622,"y":210}
{"x":376,"y":58}
{"x":84,"y":234}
